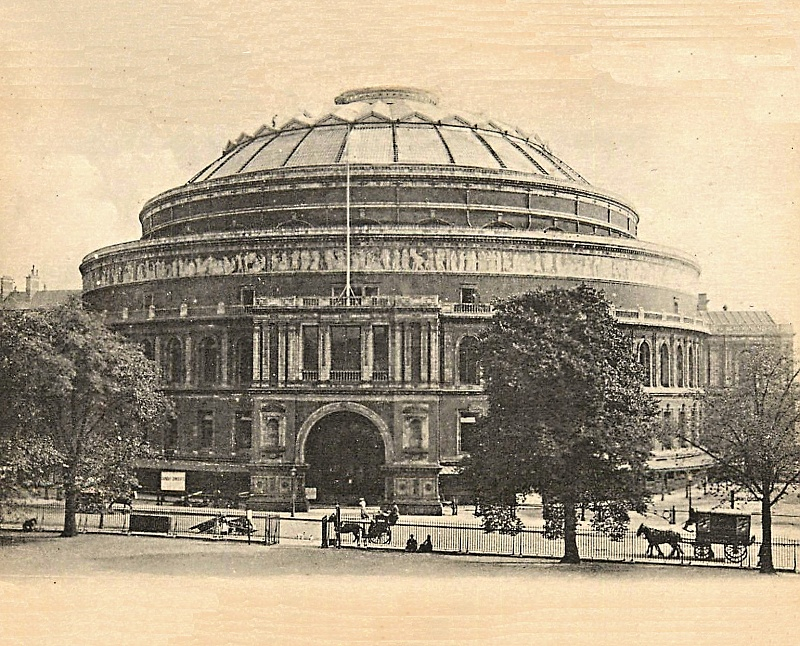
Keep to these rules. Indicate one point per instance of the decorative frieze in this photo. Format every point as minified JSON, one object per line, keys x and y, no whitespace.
{"x":577,"y":261}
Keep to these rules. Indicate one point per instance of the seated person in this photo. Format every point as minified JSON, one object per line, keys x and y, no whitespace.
{"x":426,"y":545}
{"x":411,"y":544}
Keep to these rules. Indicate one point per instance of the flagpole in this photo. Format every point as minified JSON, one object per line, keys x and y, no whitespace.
{"x":348,"y":288}
{"x":347,"y":294}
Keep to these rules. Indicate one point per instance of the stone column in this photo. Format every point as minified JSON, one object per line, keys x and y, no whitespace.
{"x":280,"y":330}
{"x":396,"y":341}
{"x":188,"y":360}
{"x":266,"y":352}
{"x":434,"y":351}
{"x":447,"y":340}
{"x":157,"y":355}
{"x":367,"y":352}
{"x":257,"y":360}
{"x":424,"y":360}
{"x":223,"y":357}
{"x":325,"y":364}
{"x":293,"y":353}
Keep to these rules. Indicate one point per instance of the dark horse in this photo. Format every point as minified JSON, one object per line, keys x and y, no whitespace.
{"x":348,"y":527}
{"x":658,"y":537}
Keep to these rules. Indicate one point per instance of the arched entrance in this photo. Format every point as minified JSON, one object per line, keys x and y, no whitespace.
{"x":345,"y":454}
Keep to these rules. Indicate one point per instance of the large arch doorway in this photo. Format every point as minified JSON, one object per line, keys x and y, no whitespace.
{"x":345,"y":455}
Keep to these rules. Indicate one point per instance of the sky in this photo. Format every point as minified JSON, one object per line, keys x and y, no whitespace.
{"x":690,"y":110}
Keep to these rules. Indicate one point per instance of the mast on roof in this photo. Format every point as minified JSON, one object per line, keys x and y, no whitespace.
{"x":347,"y":294}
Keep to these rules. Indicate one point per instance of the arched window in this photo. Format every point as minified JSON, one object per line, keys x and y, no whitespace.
{"x":679,"y":367}
{"x":208,"y":361}
{"x":644,"y":361}
{"x":692,"y":382}
{"x":468,"y":372}
{"x":172,"y":362}
{"x":242,"y":361}
{"x":664,"y":357}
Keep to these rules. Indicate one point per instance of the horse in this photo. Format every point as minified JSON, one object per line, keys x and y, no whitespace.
{"x":657,"y":537}
{"x":126,"y":500}
{"x":348,"y":527}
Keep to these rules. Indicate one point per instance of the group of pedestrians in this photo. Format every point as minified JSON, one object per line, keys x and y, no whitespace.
{"x":425,"y":546}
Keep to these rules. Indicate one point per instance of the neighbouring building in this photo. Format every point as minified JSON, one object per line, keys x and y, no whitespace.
{"x":289,"y":386}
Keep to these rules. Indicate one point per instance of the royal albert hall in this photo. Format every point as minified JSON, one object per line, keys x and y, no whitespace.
{"x":284,"y":381}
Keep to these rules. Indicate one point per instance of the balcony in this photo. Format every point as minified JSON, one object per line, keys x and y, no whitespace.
{"x":368,"y":302}
{"x":661,"y":319}
{"x":346,"y":376}
{"x":184,"y":311}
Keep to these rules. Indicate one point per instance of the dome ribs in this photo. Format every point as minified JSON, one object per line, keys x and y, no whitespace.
{"x":297,"y":145}
{"x":444,"y":143}
{"x":491,"y":150}
{"x":253,"y":156}
{"x":355,"y":125}
{"x":530,"y":158}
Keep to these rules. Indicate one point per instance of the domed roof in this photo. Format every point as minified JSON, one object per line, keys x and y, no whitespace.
{"x":388,"y":126}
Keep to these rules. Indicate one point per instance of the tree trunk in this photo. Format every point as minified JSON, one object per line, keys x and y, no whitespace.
{"x":70,"y":505}
{"x":571,"y":554}
{"x":765,"y":553}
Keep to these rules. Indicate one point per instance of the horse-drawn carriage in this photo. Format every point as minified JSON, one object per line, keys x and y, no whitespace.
{"x":730,"y":530}
{"x":225,"y":525}
{"x":377,"y":530}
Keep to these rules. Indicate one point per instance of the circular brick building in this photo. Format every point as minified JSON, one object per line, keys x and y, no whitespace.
{"x":284,"y":381}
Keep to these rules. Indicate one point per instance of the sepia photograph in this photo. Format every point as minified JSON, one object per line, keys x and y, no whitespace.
{"x":400,"y":323}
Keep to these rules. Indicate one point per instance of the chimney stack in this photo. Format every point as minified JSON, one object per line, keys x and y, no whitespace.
{"x":32,"y":282}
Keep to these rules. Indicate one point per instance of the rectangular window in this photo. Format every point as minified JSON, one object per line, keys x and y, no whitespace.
{"x":206,"y":428}
{"x":345,"y":353}
{"x":466,"y":424}
{"x":247,"y":295}
{"x":380,"y":353}
{"x":469,"y":294}
{"x":242,"y":433}
{"x":415,"y":350}
{"x":310,"y":353}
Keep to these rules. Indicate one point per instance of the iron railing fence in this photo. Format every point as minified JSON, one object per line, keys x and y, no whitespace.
{"x":187,"y":522}
{"x":463,"y":538}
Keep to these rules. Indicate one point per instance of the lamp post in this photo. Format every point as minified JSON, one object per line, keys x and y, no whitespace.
{"x":294,"y":489}
{"x":689,"y":489}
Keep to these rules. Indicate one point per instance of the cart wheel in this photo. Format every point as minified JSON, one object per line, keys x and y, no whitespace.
{"x":703,"y":552}
{"x":735,"y":553}
{"x":386,"y":537}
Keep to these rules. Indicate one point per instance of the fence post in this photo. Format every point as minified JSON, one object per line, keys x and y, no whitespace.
{"x":324,"y":532}
{"x":338,"y":526}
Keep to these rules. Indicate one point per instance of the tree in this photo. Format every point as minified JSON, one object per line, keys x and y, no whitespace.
{"x":567,"y":418}
{"x":750,"y":429}
{"x":78,"y":395}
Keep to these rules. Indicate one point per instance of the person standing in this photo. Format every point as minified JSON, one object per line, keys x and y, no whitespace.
{"x":362,"y":505}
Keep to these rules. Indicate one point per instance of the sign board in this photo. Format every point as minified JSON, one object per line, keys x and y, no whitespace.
{"x":311,"y":493}
{"x":173,"y":481}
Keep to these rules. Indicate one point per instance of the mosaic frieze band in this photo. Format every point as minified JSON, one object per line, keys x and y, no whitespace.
{"x":392,"y":256}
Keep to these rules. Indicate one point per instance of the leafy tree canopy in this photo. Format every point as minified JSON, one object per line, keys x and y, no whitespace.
{"x":568,"y":417}
{"x":750,"y":429}
{"x":78,"y":396}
